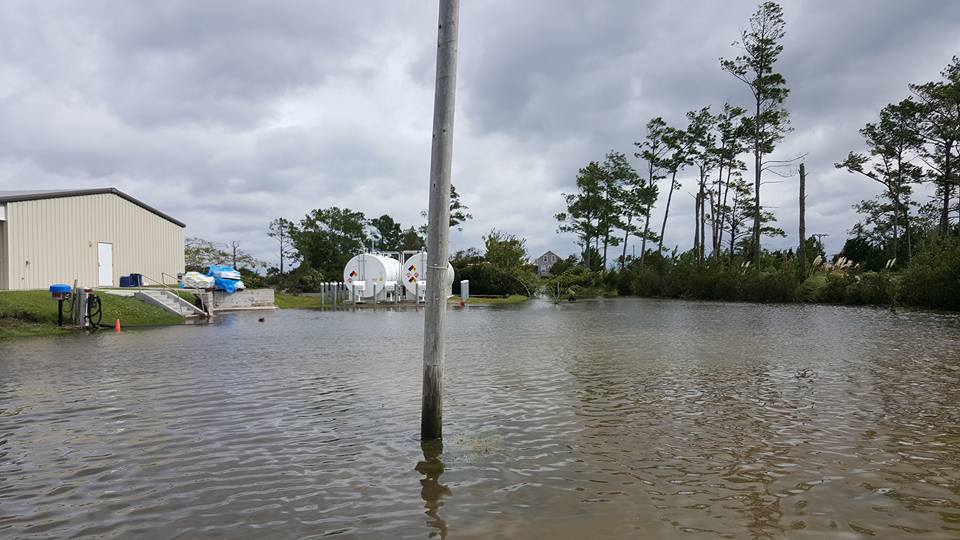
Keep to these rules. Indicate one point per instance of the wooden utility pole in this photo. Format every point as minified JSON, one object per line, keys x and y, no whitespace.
{"x":438,"y":221}
{"x":802,"y":250}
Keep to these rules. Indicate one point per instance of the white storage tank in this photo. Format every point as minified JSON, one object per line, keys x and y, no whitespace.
{"x":374,"y":270}
{"x":415,"y":272}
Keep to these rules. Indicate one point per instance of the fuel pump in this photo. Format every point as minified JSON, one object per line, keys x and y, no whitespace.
{"x":91,"y":310}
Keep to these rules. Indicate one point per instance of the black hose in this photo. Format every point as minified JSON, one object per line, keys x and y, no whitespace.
{"x":94,"y":310}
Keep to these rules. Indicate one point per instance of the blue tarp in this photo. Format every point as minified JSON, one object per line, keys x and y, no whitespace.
{"x":225,"y":278}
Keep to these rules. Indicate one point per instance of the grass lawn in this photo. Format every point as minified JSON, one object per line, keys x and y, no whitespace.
{"x":32,"y":313}
{"x":512,"y":299}
{"x":292,"y":301}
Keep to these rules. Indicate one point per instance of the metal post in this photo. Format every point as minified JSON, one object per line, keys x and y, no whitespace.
{"x":75,"y":305}
{"x":438,"y":223}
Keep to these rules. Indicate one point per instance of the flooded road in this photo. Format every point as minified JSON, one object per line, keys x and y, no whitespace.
{"x":611,"y":419}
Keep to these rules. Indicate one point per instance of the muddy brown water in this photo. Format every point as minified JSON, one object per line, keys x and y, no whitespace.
{"x":622,"y":418}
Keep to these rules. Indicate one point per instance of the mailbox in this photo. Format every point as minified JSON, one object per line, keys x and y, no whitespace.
{"x":59,"y":291}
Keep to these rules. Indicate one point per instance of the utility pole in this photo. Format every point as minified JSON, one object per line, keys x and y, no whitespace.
{"x":802,"y":250}
{"x":438,"y":221}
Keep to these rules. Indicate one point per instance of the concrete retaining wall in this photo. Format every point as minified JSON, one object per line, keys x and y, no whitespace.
{"x":245,"y":299}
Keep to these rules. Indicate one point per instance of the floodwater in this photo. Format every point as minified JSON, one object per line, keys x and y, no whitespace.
{"x":620,"y":418}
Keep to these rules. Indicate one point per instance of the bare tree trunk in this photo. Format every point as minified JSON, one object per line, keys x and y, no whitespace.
{"x":758,"y":166}
{"x":626,"y":235}
{"x":281,"y":251}
{"x":703,"y":223}
{"x":733,"y":231}
{"x":802,"y":250}
{"x":733,"y":242}
{"x":758,"y":162}
{"x":606,"y":242}
{"x":723,"y":204}
{"x":896,"y":225}
{"x":666,"y":211}
{"x":906,"y":226}
{"x":696,"y":227}
{"x":717,"y":210}
{"x":646,"y":221}
{"x":947,"y":189}
{"x":643,"y":241}
{"x":713,"y":226}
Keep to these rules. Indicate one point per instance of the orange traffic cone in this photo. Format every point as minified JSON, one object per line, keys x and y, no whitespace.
{"x":116,"y":326}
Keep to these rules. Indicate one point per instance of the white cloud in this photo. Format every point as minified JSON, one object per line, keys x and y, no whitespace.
{"x":228,"y":114}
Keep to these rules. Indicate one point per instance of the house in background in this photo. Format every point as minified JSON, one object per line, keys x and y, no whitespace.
{"x":91,"y":235}
{"x":545,"y":262}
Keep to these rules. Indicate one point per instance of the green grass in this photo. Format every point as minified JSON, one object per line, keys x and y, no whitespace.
{"x":291,"y":301}
{"x":512,"y":299}
{"x":13,"y":328}
{"x":32,"y":313}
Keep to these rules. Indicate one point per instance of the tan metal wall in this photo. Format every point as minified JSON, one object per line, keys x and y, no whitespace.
{"x":55,"y":241}
{"x":4,"y":266}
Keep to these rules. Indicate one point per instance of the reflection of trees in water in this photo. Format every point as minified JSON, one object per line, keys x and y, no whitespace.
{"x":704,"y":441}
{"x":914,"y":431}
{"x":431,"y":490}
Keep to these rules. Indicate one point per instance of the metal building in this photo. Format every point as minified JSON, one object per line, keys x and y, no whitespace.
{"x":91,"y":235}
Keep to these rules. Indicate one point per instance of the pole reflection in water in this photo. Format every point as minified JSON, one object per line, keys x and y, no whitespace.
{"x":431,"y":490}
{"x":621,"y":418}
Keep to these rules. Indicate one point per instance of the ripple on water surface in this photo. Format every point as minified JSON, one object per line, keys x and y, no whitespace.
{"x":618,"y":418}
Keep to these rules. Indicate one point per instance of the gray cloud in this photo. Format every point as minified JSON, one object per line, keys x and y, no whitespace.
{"x":227,"y":114}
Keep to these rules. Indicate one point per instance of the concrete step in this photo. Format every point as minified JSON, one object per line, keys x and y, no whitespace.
{"x":165,"y":300}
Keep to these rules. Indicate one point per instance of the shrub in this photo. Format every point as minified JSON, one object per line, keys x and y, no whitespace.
{"x":767,"y":287}
{"x":811,"y":288}
{"x":932,"y":278}
{"x":834,"y":289}
{"x":486,"y":278}
{"x":868,"y":288}
{"x":646,"y":282}
{"x":302,"y":279}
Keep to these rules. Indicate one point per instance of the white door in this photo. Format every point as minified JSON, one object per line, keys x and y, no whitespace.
{"x":105,"y":264}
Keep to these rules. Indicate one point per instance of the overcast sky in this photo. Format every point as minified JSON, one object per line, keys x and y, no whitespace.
{"x":227,"y":114}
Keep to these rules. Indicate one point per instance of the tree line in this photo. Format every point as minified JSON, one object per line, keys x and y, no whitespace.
{"x":316,"y":247}
{"x":914,"y":141}
{"x":614,"y":202}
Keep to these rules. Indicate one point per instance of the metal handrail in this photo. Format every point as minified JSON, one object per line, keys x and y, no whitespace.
{"x":199,"y":296}
{"x":171,"y":290}
{"x":165,"y":287}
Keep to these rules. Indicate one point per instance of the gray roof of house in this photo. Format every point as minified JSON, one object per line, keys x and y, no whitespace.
{"x":18,"y":196}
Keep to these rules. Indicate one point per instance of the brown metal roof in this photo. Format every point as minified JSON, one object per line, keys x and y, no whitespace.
{"x":18,"y":196}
